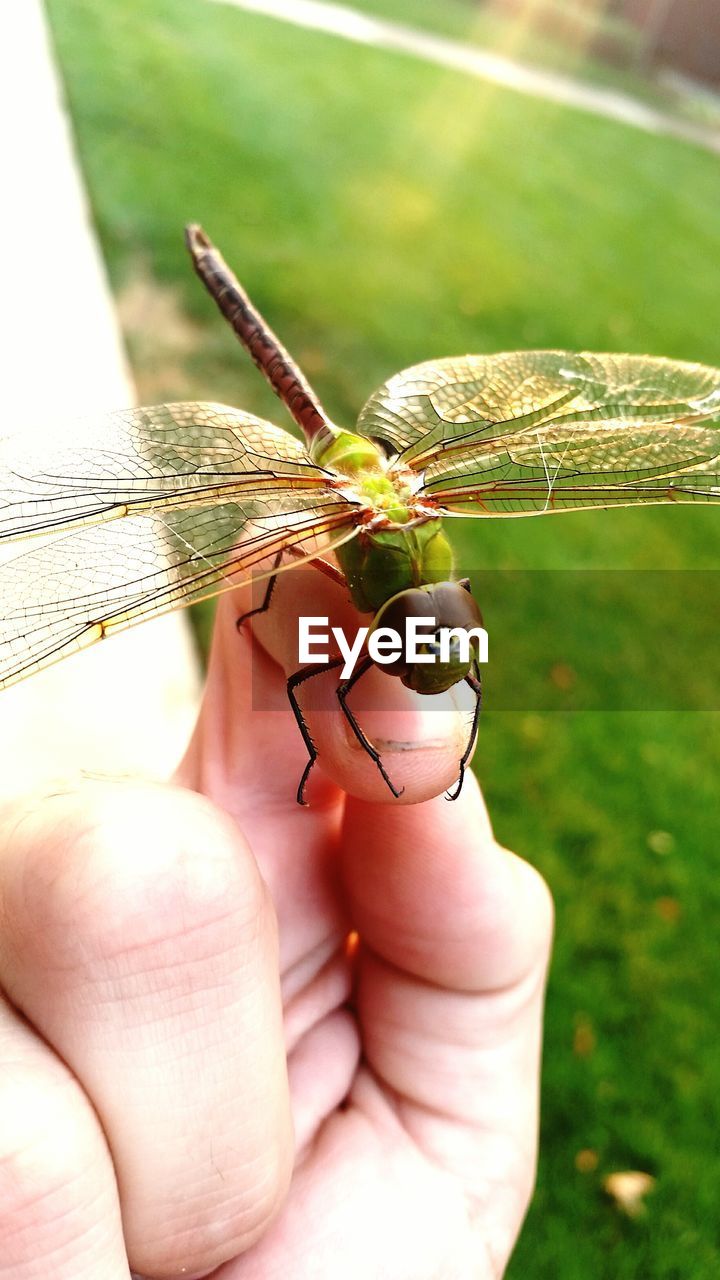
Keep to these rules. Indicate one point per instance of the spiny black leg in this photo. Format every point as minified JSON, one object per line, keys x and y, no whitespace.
{"x":474,"y":682}
{"x":263,"y":608}
{"x":365,"y":743}
{"x":306,"y":673}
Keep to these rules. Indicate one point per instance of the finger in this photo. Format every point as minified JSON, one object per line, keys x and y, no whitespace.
{"x":332,"y":1043}
{"x":141,"y":942}
{"x":59,"y":1208}
{"x":248,"y":760}
{"x":420,"y":739}
{"x":455,"y":935}
{"x":433,"y":893}
{"x":247,"y":754}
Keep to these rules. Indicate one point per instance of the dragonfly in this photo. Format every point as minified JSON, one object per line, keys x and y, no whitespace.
{"x":146,"y":510}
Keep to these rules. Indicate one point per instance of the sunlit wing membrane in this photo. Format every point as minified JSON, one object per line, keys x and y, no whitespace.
{"x":146,"y":459}
{"x":80,"y":587}
{"x":438,"y":413}
{"x":553,"y":470}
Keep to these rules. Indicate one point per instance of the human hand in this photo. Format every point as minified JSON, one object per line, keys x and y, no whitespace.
{"x":180,"y":997}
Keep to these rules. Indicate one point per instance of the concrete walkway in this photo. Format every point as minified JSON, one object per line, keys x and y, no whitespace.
{"x":125,"y":706}
{"x":348,"y":23}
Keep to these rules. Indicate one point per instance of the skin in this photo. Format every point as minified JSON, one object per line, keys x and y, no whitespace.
{"x":194,"y":1072}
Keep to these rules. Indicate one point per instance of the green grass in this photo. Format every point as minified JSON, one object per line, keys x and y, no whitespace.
{"x":382,"y":211}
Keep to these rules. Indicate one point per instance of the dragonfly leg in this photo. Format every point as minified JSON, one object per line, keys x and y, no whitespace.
{"x":323,"y":565}
{"x":330,"y":570}
{"x":306,"y":673}
{"x":475,"y":685}
{"x":263,"y":608}
{"x":342,"y":693}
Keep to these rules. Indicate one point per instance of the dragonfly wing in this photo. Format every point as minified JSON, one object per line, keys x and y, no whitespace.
{"x":144,"y":459}
{"x":71,"y":590}
{"x":439,"y":412}
{"x":430,"y":404}
{"x":555,"y":469}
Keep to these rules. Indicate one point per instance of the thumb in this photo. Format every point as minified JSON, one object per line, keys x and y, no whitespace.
{"x":419,"y":739}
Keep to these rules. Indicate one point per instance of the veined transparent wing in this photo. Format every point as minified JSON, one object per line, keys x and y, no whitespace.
{"x":555,"y":470}
{"x":153,"y":458}
{"x":449,"y":408}
{"x":530,"y":432}
{"x":419,"y":409}
{"x":188,"y":512}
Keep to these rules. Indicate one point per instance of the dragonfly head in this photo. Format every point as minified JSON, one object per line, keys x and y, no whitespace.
{"x":444,"y":619}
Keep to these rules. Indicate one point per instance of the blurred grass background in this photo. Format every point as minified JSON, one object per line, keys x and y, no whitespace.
{"x":382,"y":211}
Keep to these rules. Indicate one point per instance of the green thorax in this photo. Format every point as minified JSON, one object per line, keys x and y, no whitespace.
{"x":380,"y":562}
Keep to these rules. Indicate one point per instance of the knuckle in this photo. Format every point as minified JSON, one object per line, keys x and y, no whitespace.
{"x":47,"y":1142}
{"x":218,"y":1230}
{"x":119,"y":865}
{"x":251,"y":1217}
{"x":273,"y":1181}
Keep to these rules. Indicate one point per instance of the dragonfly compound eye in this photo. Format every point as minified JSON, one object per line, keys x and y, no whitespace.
{"x":435,"y":624}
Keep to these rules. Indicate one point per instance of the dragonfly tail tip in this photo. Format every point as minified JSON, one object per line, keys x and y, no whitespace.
{"x":195,"y":237}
